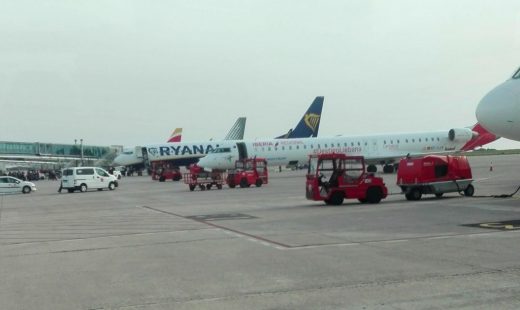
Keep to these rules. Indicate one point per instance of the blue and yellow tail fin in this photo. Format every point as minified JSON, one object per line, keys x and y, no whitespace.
{"x":309,"y":123}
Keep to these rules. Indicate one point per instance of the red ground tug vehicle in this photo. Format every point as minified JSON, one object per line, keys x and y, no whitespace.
{"x":197,"y":177}
{"x":248,"y":171}
{"x":162,"y":171}
{"x":434,"y":174}
{"x":335,"y":177}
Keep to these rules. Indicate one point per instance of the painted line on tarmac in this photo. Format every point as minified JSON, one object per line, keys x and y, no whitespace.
{"x":282,"y":246}
{"x":238,"y":233}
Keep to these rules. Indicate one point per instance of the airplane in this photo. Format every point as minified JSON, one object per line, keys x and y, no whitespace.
{"x":186,"y":153}
{"x":383,"y":148}
{"x":133,"y":156}
{"x":129,"y":155}
{"x":499,"y":110}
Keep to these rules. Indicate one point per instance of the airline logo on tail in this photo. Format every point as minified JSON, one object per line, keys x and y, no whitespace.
{"x":176,"y":135}
{"x":484,"y":137}
{"x":312,"y":121}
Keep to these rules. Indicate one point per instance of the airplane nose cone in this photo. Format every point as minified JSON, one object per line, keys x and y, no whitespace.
{"x":498,"y":110}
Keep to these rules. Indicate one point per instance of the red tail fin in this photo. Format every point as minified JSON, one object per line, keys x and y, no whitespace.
{"x":484,"y":137}
{"x":176,"y":135}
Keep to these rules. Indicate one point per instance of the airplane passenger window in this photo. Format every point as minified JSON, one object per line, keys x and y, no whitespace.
{"x":325,"y":144}
{"x":413,"y":140}
{"x":283,"y":148}
{"x":269,"y":149}
{"x":351,"y":143}
{"x":391,"y":141}
{"x":398,"y":141}
{"x":359,"y":143}
{"x":319,"y":146}
{"x":438,"y":139}
{"x":406,"y":140}
{"x":366,"y":143}
{"x":297,"y":147}
{"x":419,"y":139}
{"x":426,"y":139}
{"x":384,"y":142}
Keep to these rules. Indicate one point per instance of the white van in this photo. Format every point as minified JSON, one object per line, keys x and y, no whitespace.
{"x":84,"y":178}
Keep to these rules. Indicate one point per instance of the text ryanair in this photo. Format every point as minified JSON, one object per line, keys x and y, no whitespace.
{"x":181,"y":150}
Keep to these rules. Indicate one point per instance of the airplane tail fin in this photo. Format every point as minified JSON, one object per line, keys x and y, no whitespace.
{"x":176,"y":135}
{"x":237,"y":131}
{"x":309,"y":123}
{"x":484,"y":137}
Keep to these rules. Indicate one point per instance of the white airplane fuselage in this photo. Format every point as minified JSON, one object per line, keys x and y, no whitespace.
{"x":375,"y":148}
{"x":499,"y":110}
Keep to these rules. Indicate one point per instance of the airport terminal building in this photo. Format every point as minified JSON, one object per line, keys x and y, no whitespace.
{"x":43,"y":154}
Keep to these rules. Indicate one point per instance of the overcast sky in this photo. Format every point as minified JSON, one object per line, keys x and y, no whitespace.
{"x":129,"y":72}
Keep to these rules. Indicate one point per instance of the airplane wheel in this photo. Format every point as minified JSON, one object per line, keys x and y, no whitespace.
{"x":372,"y":168}
{"x":388,"y":169}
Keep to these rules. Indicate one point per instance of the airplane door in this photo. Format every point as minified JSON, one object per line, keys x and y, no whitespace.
{"x":144,"y":152}
{"x":242,"y":150}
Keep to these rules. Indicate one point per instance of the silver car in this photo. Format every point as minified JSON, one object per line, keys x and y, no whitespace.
{"x":14,"y":185}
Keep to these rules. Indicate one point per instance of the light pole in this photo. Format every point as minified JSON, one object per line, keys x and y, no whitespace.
{"x":81,"y":149}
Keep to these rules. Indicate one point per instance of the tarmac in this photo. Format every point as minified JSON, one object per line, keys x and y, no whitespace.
{"x":150,"y":245}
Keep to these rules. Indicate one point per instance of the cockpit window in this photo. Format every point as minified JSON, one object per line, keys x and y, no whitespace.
{"x":517,"y":74}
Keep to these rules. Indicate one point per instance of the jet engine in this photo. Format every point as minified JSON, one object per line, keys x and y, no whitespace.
{"x":461,"y":134}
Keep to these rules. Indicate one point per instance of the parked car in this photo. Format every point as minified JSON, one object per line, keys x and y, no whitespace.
{"x":13,"y":185}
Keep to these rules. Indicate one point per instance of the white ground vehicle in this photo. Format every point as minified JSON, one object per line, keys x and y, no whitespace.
{"x":14,"y":185}
{"x":84,"y":178}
